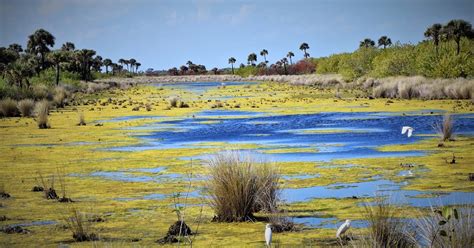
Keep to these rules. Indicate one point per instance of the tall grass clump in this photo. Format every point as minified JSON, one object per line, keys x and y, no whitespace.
{"x":446,"y":227}
{"x":79,"y":226}
{"x":239,"y":187}
{"x":42,"y":111}
{"x":59,"y":98}
{"x":386,"y":228}
{"x":81,"y":119}
{"x":445,"y":128}
{"x":8,"y":108}
{"x":174,"y":102}
{"x":26,"y":107}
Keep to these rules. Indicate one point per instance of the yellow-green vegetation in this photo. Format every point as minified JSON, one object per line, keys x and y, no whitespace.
{"x":130,"y":218}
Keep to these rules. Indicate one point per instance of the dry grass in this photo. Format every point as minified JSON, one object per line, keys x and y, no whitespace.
{"x":26,"y":107}
{"x":386,"y":228}
{"x":174,"y":102}
{"x":42,"y":111}
{"x":240,"y":187}
{"x":446,"y":227}
{"x":445,"y":128}
{"x":79,"y":226}
{"x":59,"y":98}
{"x":81,"y":119}
{"x":421,"y":87}
{"x":8,"y":108}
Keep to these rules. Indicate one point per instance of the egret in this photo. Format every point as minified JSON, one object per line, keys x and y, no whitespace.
{"x":408,"y":130}
{"x":343,"y":228}
{"x":268,"y":235}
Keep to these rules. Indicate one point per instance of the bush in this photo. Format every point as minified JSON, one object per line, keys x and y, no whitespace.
{"x":26,"y":107}
{"x":8,"y":108}
{"x":240,"y":187}
{"x":445,"y":129}
{"x":42,"y":111}
{"x":247,"y":71}
{"x":386,"y":228}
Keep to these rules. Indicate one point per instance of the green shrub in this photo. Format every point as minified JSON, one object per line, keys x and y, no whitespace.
{"x":247,"y":71}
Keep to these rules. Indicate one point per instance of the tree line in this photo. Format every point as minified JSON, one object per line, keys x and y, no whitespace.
{"x":18,"y":65}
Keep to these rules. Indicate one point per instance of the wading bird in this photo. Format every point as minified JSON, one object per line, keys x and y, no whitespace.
{"x":343,"y":228}
{"x":408,"y":130}
{"x":268,"y":235}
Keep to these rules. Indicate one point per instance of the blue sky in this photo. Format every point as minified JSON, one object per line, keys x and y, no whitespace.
{"x":165,"y":33}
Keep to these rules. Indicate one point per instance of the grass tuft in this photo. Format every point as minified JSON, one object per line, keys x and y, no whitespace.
{"x":8,"y":108}
{"x":79,"y":226}
{"x":82,"y":120}
{"x":26,"y":107}
{"x":42,"y":111}
{"x":240,"y":187}
{"x":445,"y":128}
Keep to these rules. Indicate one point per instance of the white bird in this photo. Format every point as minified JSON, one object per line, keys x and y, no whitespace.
{"x":268,"y":235}
{"x":343,"y":228}
{"x":408,"y":130}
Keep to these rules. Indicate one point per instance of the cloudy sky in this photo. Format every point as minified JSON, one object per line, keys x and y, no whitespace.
{"x":165,"y":33}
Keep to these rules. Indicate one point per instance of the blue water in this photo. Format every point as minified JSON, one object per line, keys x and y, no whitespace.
{"x":364,"y":132}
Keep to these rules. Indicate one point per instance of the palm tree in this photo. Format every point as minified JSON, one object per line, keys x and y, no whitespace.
{"x":232,"y":60}
{"x":252,"y":58}
{"x":121,"y":62}
{"x":56,"y":57}
{"x":137,"y":64}
{"x":303,"y":47}
{"x":456,"y":29}
{"x":107,"y":63}
{"x":434,"y":32}
{"x":264,"y":53}
{"x":127,"y":63}
{"x":189,"y":63}
{"x":68,"y":46}
{"x":85,"y":58}
{"x":289,"y":55}
{"x":385,"y":41}
{"x":367,"y":43}
{"x":38,"y":43}
{"x":183,"y":69}
{"x":215,"y":70}
{"x":284,"y":61}
{"x":132,"y":63}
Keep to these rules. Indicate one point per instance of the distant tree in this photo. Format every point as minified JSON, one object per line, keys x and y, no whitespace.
{"x":137,"y":64}
{"x":16,"y":48}
{"x":241,"y":65}
{"x":68,"y":46}
{"x":252,"y":58}
{"x":303,"y":47}
{"x":121,"y":62}
{"x":18,"y":71}
{"x":132,"y":63}
{"x":39,"y":43}
{"x":232,"y":60}
{"x":97,"y":63}
{"x":434,"y":33}
{"x":173,"y":71}
{"x":107,"y":63}
{"x":189,"y":63}
{"x":127,"y":63}
{"x":456,"y":29}
{"x":56,"y":57}
{"x":367,"y":43}
{"x":264,"y":53}
{"x":215,"y":70}
{"x":284,"y":61}
{"x":289,"y":55}
{"x":384,"y":41}
{"x":183,"y":69}
{"x":85,"y":58}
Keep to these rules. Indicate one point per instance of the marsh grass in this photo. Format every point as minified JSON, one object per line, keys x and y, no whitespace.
{"x":42,"y":111}
{"x":281,"y":222}
{"x":3,"y":192}
{"x":79,"y":226}
{"x":48,"y":187}
{"x":174,"y":102}
{"x":26,"y":107}
{"x":445,"y":128}
{"x":59,"y":98}
{"x":386,"y":228}
{"x":81,"y":120}
{"x":446,"y":227}
{"x":240,"y":187}
{"x":8,"y":108}
{"x":61,"y":175}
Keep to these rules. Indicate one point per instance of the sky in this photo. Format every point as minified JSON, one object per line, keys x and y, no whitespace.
{"x":161,"y":34}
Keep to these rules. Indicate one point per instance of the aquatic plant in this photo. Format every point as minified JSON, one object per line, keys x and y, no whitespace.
{"x":26,"y":107}
{"x":79,"y":226}
{"x":386,"y":228}
{"x":445,"y":128}
{"x":42,"y":111}
{"x":8,"y":108}
{"x":240,"y":187}
{"x":446,"y":227}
